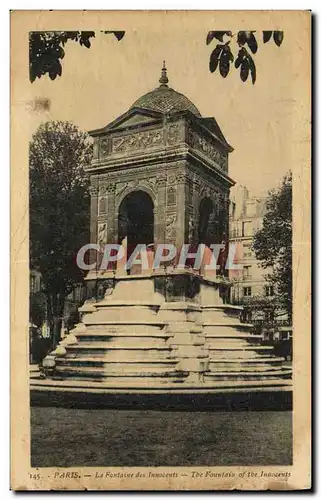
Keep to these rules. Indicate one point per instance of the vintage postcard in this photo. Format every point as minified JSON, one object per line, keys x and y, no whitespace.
{"x":160,"y":250}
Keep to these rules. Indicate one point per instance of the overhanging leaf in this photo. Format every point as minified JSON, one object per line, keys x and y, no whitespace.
{"x":252,"y":43}
{"x":219,"y":35}
{"x":278,"y":37}
{"x":241,"y":38}
{"x":244,"y":70}
{"x":266,"y":36}
{"x":252,"y":69}
{"x":214,"y":58}
{"x":118,"y":34}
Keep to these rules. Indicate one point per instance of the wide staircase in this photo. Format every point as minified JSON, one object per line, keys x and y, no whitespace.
{"x":236,"y":354}
{"x":134,"y":339}
{"x":120,"y":341}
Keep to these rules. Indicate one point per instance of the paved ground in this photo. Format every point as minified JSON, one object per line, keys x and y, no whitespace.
{"x":64,"y":437}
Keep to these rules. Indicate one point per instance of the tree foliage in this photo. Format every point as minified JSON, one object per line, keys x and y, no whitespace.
{"x":46,"y":50}
{"x":222,"y":56}
{"x":59,"y":208}
{"x":273,"y":243}
{"x":37,"y":308}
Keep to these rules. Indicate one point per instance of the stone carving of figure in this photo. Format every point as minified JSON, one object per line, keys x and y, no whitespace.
{"x":102,"y":234}
{"x":191,"y":229}
{"x":170,"y":226}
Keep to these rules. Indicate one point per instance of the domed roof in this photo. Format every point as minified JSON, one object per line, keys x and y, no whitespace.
{"x":165,"y":100}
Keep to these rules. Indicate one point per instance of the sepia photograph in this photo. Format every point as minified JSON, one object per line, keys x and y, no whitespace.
{"x":160,"y":231}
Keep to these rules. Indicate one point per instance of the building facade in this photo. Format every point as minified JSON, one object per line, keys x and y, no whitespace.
{"x":245,"y":219}
{"x":250,"y":287}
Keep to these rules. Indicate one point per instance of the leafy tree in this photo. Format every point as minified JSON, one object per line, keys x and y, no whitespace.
{"x":273,"y":243}
{"x":46,"y":49}
{"x":246,"y":45}
{"x":59,"y":207}
{"x":37,"y":308}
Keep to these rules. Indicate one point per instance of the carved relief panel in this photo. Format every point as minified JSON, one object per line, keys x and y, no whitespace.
{"x":204,"y":145}
{"x":171,"y":195}
{"x":96,"y":148}
{"x":104,"y":148}
{"x":102,"y":205}
{"x":137,"y":140}
{"x":174,"y":133}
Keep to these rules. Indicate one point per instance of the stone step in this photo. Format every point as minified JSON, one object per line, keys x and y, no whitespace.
{"x":123,"y":304}
{"x":221,"y":334}
{"x":248,"y":361}
{"x":88,"y":384}
{"x":227,"y":330}
{"x":104,"y":346}
{"x":157,"y":334}
{"x":231,"y":324}
{"x":226,"y":308}
{"x":240,"y":367}
{"x":239,"y":351}
{"x":116,"y":315}
{"x":241,"y":375}
{"x":117,"y":354}
{"x":116,"y":365}
{"x":34,"y":372}
{"x":217,"y":313}
{"x":89,"y":371}
{"x":247,"y":347}
{"x":124,"y":381}
{"x":122,"y":342}
{"x":238,"y":357}
{"x":92,"y":320}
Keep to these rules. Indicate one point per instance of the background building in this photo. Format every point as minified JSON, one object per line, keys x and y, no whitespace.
{"x":250,"y":287}
{"x":246,"y":218}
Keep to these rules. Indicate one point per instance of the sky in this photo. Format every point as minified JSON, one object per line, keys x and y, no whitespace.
{"x":101,"y":83}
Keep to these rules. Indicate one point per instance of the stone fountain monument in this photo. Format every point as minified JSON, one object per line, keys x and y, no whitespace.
{"x":159,"y":175}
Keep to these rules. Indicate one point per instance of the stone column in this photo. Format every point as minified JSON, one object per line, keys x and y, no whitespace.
{"x":181,"y":212}
{"x":91,"y":275}
{"x":160,"y":211}
{"x":93,"y":210}
{"x":111,"y":216}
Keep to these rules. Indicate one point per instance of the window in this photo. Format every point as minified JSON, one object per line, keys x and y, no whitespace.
{"x":250,"y":209}
{"x":269,"y":292}
{"x":247,"y":291}
{"x":247,"y":252}
{"x":247,"y":272}
{"x":247,"y":228}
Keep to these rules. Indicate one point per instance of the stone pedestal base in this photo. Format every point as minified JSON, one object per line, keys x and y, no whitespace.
{"x":164,"y":330}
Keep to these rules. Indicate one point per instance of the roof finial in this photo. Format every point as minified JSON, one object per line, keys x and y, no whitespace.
{"x":163,"y":79}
